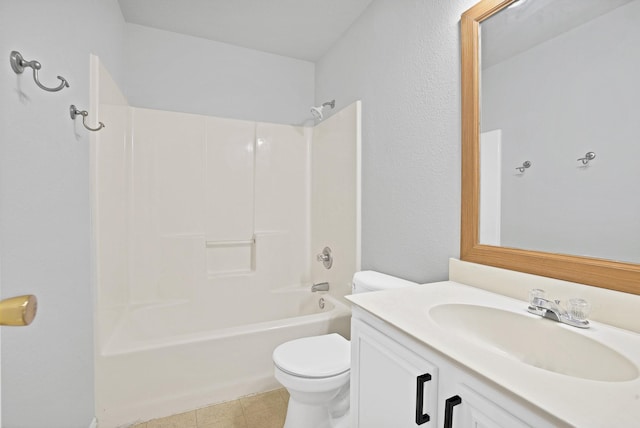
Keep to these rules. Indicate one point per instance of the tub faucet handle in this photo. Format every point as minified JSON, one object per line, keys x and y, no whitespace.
{"x":325,"y":257}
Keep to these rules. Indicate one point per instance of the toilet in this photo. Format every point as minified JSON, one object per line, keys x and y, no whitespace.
{"x":315,"y":370}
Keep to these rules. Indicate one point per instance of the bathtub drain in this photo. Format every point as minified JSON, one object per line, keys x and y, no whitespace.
{"x":321,"y":303}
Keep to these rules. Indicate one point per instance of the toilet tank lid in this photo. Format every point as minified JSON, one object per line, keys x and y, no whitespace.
{"x":371,"y":281}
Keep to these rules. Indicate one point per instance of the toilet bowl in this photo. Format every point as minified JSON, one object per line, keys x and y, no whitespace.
{"x":316,"y":370}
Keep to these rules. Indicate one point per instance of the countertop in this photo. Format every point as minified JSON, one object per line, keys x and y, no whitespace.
{"x":576,"y":401}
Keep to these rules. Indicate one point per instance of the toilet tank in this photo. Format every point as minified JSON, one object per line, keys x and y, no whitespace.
{"x":368,"y":280}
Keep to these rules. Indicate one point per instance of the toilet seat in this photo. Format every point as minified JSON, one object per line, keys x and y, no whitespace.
{"x":314,"y":357}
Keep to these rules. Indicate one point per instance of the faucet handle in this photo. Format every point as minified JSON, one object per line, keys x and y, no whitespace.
{"x":325,"y":257}
{"x":578,"y":309}
{"x":535,"y":293}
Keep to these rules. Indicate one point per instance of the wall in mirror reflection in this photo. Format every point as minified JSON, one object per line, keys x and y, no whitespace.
{"x":574,"y":93}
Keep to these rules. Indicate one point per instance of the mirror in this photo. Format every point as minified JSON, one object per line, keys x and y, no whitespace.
{"x":548,"y":156}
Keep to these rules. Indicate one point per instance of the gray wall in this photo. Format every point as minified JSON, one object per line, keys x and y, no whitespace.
{"x":170,"y":71}
{"x":402,"y":59}
{"x":47,"y":368}
{"x":572,"y":94}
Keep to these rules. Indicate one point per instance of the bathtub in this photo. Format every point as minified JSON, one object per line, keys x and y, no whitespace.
{"x":170,"y":358}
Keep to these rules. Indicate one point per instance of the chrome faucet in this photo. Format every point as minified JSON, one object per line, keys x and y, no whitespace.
{"x":321,"y":286}
{"x":551,"y":309}
{"x":546,"y":308}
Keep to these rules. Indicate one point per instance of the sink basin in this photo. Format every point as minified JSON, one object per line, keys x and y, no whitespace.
{"x":535,"y":341}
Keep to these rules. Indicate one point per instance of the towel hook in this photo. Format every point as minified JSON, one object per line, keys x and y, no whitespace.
{"x":18,"y":64}
{"x":589,"y":156}
{"x":74,"y":111}
{"x":525,"y":165}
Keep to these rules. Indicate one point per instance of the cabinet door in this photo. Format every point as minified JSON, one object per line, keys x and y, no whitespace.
{"x":475,"y":411}
{"x":392,"y":387}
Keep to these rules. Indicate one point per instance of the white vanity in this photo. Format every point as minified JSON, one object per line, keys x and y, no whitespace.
{"x":454,"y":355}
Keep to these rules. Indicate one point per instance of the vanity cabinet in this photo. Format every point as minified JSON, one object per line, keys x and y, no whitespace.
{"x":399,"y":382}
{"x":392,"y":386}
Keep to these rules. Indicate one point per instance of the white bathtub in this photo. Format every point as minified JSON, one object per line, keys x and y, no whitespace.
{"x":170,"y":358}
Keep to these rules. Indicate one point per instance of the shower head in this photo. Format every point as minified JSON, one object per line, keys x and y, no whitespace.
{"x":317,"y":111}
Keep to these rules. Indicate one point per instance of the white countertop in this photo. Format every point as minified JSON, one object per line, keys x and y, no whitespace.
{"x":579,"y":402}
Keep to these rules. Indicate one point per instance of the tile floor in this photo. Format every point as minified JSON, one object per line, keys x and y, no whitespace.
{"x":266,"y":410}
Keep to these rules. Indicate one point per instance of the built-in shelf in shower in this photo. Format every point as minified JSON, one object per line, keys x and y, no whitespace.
{"x":230,"y":257}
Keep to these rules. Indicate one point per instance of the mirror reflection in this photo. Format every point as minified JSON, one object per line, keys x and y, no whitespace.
{"x":559,"y":160}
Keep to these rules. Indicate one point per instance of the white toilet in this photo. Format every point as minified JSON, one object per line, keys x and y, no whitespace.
{"x":315,"y":370}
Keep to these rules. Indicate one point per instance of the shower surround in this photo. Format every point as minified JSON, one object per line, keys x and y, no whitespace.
{"x":205,"y":235}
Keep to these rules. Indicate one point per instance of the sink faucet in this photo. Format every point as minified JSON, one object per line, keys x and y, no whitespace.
{"x":547,"y":308}
{"x":321,"y":286}
{"x":551,"y":309}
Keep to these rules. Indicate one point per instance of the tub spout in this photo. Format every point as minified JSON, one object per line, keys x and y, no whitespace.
{"x":321,"y":286}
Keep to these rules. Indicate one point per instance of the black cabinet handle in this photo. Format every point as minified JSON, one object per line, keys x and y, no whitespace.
{"x":421,"y":417}
{"x":449,"y":404}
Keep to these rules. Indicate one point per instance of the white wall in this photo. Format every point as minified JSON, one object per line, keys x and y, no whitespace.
{"x":200,"y":182}
{"x":110,"y":201}
{"x":44,"y":207}
{"x":170,"y":71}
{"x":402,"y":59}
{"x":572,"y":94}
{"x":335,"y":198}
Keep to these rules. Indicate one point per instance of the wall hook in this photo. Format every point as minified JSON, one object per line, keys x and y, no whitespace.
{"x":74,"y":111}
{"x":18,"y":64}
{"x":525,"y":165}
{"x":589,"y":156}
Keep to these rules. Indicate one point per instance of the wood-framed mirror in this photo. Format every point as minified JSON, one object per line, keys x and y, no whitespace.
{"x":596,"y":271}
